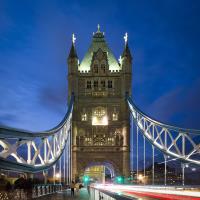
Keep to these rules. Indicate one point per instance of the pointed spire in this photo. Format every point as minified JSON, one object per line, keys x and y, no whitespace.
{"x":120,"y":60}
{"x":72,"y":53}
{"x":98,"y":34}
{"x":73,"y":38}
{"x":126,"y":52}
{"x":126,"y":38}
{"x":98,"y":28}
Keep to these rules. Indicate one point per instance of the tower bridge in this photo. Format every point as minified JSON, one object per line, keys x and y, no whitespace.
{"x":94,"y":136}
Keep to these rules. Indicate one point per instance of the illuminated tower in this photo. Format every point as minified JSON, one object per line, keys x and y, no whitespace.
{"x":100,"y":124}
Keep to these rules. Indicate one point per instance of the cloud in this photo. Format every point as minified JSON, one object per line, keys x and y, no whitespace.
{"x":54,"y":98}
{"x":179,"y":106}
{"x":8,"y":118}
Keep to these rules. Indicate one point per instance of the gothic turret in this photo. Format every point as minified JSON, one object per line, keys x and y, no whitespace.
{"x":72,"y":62}
{"x":72,"y":59}
{"x":126,"y":57}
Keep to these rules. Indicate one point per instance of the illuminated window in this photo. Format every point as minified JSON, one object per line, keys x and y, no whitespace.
{"x":99,"y":117}
{"x":99,"y":112}
{"x":96,"y":68}
{"x":95,"y":84}
{"x":84,"y":117}
{"x":89,"y":85}
{"x":88,"y":141}
{"x":111,"y":141}
{"x":110,"y":85}
{"x":115,"y":116}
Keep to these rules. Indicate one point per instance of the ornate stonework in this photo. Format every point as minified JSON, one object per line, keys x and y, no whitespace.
{"x":100,"y":124}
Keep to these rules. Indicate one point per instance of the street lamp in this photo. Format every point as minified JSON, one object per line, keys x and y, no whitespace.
{"x":57,"y":175}
{"x":140,"y":177}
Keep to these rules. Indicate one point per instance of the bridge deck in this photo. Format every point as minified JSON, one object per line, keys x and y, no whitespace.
{"x":66,"y":195}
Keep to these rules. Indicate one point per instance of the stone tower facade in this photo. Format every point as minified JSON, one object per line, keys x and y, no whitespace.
{"x":100,"y":123}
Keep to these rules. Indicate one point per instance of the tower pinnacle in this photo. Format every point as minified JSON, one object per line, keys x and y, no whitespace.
{"x":126,"y":52}
{"x":72,"y":53}
{"x":98,"y":28}
{"x":126,"y":38}
{"x":73,"y":38}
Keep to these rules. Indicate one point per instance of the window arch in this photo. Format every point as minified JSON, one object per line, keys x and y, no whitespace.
{"x":99,"y":116}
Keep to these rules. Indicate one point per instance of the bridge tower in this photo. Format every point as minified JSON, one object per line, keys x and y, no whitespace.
{"x":100,"y":123}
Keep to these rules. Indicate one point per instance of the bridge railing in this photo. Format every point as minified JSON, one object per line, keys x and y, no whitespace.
{"x":99,"y":194}
{"x":180,"y":143}
{"x":37,"y":191}
{"x":33,"y":152}
{"x":42,"y":190}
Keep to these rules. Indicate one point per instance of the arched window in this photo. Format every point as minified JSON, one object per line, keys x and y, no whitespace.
{"x":99,"y":116}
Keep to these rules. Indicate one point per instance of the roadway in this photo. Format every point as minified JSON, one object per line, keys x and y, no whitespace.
{"x":126,"y":192}
{"x":151,"y":192}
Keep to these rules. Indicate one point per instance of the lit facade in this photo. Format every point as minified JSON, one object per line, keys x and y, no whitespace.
{"x":100,"y":123}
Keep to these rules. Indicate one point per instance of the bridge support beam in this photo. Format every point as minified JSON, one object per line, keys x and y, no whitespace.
{"x":64,"y":166}
{"x":183,"y":173}
{"x":54,"y":174}
{"x":60,"y":171}
{"x":153,"y":152}
{"x":45,"y":175}
{"x":137,"y":152}
{"x":144,"y":159}
{"x":165,"y":181}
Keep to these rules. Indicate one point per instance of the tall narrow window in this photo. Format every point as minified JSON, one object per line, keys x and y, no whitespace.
{"x":95,"y":84}
{"x":103,"y":85}
{"x":115,"y":116}
{"x":110,"y":85}
{"x":89,"y":85}
{"x":96,"y":68}
{"x":84,"y":117}
{"x":103,"y":68}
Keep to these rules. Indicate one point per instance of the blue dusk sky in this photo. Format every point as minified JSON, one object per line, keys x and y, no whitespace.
{"x":35,"y":38}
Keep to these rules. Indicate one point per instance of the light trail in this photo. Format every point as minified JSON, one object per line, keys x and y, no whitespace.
{"x":157,"y":192}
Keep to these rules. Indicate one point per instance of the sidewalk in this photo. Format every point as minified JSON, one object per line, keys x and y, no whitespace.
{"x":66,"y":195}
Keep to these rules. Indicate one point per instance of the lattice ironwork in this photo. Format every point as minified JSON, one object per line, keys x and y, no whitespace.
{"x":31,"y":152}
{"x":177,"y":142}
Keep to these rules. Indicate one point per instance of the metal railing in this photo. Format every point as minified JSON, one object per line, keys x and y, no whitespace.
{"x":33,"y":152}
{"x":18,"y":194}
{"x":99,"y":194}
{"x":37,"y":191}
{"x":41,"y":190}
{"x":180,"y":143}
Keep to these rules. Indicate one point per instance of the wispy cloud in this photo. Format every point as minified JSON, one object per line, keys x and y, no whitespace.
{"x":179,"y":106}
